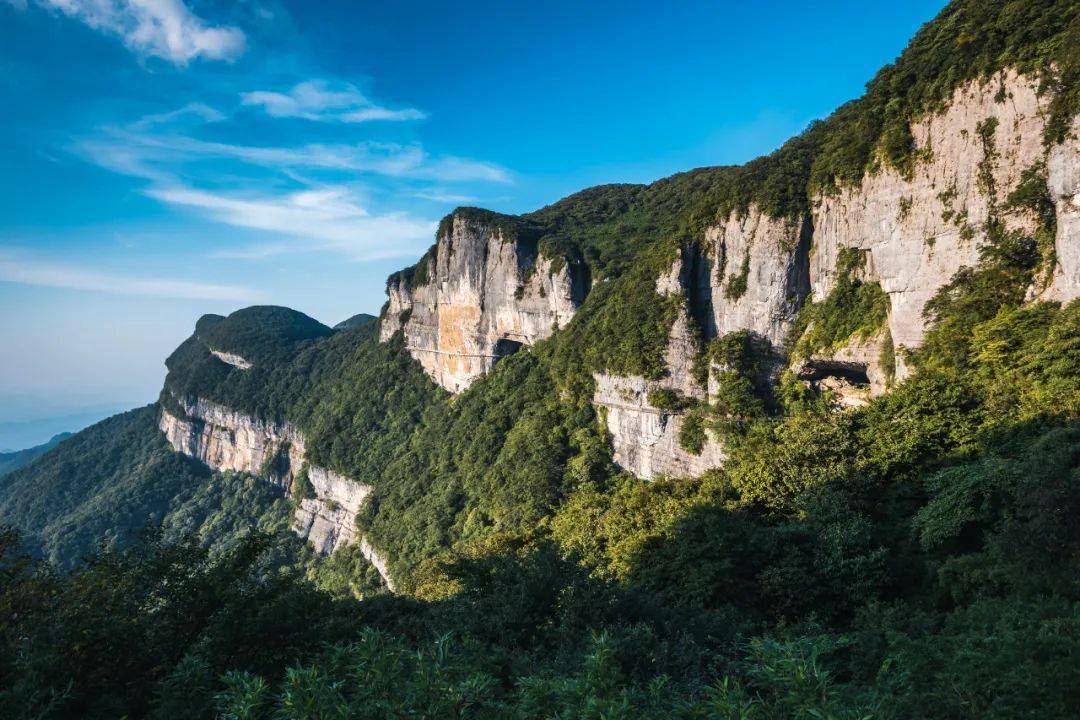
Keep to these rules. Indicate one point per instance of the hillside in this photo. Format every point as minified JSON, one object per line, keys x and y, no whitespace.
{"x":14,"y":460}
{"x":797,"y":438}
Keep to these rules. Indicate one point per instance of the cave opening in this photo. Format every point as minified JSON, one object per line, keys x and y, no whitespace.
{"x":506,"y":346}
{"x":854,"y":373}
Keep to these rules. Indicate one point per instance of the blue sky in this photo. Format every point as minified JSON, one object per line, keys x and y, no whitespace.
{"x":160,"y":159}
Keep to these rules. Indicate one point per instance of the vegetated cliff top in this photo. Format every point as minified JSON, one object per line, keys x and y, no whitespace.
{"x":607,"y":225}
{"x":259,"y":331}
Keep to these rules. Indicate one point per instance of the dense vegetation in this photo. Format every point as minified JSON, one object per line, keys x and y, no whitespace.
{"x":14,"y":460}
{"x":104,"y":484}
{"x":853,"y":309}
{"x":912,"y":558}
{"x":262,"y":333}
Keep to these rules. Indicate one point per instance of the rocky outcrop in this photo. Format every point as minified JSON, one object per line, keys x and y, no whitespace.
{"x":231,"y":359}
{"x":760,"y":276}
{"x":483,"y":293}
{"x":1063,"y":181}
{"x":850,"y":375}
{"x":917,"y":231}
{"x":224,"y":439}
{"x":227,"y":440}
{"x":646,"y":439}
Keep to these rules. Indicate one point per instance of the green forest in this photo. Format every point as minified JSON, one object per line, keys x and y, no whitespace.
{"x":915,"y":557}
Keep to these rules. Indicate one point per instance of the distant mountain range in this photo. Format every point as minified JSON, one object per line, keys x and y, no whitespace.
{"x":14,"y":460}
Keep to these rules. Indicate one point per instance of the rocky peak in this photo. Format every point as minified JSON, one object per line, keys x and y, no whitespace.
{"x":481,"y":293}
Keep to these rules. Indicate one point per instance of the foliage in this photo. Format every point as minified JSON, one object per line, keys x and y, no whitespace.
{"x":259,"y":333}
{"x":14,"y":460}
{"x":852,"y":309}
{"x":913,"y":558}
{"x":969,"y":40}
{"x":692,"y":436}
{"x":737,"y":282}
{"x":102,"y":485}
{"x":668,"y":400}
{"x":147,"y":631}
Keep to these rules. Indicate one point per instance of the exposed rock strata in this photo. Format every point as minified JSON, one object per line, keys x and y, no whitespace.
{"x":645,"y":438}
{"x":231,"y":359}
{"x":918,"y":231}
{"x":915,"y":232}
{"x":852,"y":374}
{"x":227,"y":440}
{"x":769,"y":257}
{"x":1063,"y":181}
{"x":485,"y":295}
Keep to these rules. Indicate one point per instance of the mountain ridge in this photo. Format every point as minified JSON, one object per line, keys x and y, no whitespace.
{"x":738,"y":426}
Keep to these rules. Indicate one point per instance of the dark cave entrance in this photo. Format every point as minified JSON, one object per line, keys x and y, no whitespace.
{"x":506,"y":346}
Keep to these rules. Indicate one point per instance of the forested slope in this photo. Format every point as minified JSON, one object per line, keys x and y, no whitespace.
{"x":909,"y":555}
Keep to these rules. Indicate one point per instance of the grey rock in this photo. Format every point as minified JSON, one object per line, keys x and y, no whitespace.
{"x":224,"y":439}
{"x":486,"y":296}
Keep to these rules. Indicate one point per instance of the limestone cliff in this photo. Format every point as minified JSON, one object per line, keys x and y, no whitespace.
{"x":483,"y":293}
{"x":758,"y":277}
{"x":231,"y":359}
{"x":917,"y":231}
{"x":914,"y":230}
{"x":227,"y":440}
{"x":645,"y":438}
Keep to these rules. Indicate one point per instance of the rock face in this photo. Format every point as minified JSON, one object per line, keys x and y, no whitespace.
{"x":227,"y":440}
{"x":852,"y":374}
{"x":915,"y":232}
{"x":918,"y":231}
{"x":481,"y":296}
{"x":760,"y":276}
{"x":231,"y":359}
{"x":645,"y":438}
{"x":1063,"y":180}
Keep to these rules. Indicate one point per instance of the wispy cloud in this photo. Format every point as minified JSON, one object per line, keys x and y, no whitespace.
{"x":145,"y":155}
{"x":28,"y":272}
{"x":309,"y":197}
{"x":322,"y":101}
{"x":194,"y":110}
{"x":329,"y":219}
{"x":444,"y":197}
{"x":166,"y":29}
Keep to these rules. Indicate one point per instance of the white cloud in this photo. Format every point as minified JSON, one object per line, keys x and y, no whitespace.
{"x":323,"y":209}
{"x":159,"y":28}
{"x":328,"y":219}
{"x":320,"y":100}
{"x":144,"y":155}
{"x":444,"y":197}
{"x":200,"y":111}
{"x":28,"y":272}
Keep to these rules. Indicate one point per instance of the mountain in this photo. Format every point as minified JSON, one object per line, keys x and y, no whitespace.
{"x":47,"y":422}
{"x":808,"y":424}
{"x":356,"y":321}
{"x":14,"y":460}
